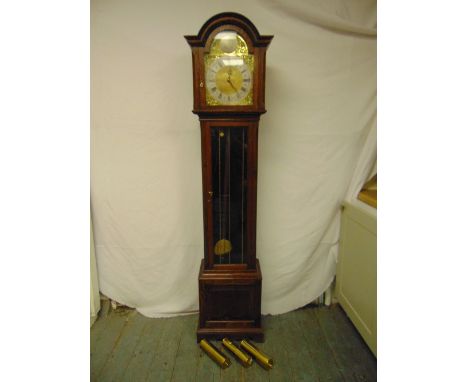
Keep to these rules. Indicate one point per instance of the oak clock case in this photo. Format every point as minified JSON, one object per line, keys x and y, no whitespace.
{"x":228,"y":57}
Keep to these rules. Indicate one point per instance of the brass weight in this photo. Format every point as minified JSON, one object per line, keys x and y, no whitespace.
{"x":214,"y":354}
{"x":264,"y":360}
{"x":245,"y":359}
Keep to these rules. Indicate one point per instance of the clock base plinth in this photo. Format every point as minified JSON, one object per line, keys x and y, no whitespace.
{"x":230,"y":304}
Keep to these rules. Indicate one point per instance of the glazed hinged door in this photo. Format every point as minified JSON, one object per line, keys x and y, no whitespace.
{"x":230,"y":175}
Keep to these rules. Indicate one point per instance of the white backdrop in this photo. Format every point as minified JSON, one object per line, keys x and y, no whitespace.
{"x":317,"y":145}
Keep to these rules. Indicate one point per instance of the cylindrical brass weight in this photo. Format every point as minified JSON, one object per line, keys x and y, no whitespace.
{"x":245,"y":359}
{"x":214,"y":354}
{"x":263,"y":359}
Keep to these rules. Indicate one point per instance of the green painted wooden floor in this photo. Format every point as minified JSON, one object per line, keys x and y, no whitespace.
{"x":309,"y":344}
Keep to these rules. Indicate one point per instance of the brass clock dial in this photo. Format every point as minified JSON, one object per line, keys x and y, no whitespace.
{"x":228,"y":80}
{"x":229,"y":71}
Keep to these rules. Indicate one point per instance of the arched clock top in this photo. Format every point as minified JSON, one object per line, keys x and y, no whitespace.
{"x":223,"y":21}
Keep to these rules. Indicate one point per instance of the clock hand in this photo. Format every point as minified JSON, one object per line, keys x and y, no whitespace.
{"x":229,"y":73}
{"x":230,"y":83}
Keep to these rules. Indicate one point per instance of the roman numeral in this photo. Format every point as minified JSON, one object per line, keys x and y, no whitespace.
{"x":246,"y":80}
{"x":243,"y":89}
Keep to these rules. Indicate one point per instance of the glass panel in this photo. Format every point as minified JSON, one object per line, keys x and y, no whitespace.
{"x":229,"y":159}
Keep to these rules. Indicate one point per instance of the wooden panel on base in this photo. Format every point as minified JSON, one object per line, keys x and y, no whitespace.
{"x":230,"y":302}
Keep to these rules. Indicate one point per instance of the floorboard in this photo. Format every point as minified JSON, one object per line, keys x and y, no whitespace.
{"x":162,"y":366}
{"x":207,"y":370}
{"x":301,"y":363}
{"x":310,"y":344}
{"x":321,"y":356}
{"x":123,"y":351}
{"x":186,"y":361}
{"x":145,"y":351}
{"x":103,"y":345}
{"x":352,"y":356}
{"x":275,"y":345}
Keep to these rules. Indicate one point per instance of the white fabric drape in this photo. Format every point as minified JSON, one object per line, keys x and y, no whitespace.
{"x":316,"y":145}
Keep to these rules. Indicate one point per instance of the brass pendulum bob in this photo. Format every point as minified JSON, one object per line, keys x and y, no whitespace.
{"x":264,"y":360}
{"x":244,"y":358}
{"x":214,"y":354}
{"x":222,"y":247}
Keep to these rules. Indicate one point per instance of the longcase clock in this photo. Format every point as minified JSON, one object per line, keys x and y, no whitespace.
{"x":228,"y":57}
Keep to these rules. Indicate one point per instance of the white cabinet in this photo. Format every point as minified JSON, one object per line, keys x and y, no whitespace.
{"x":356,"y":281}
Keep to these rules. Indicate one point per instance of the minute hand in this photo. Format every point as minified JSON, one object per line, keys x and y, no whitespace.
{"x":230,"y":83}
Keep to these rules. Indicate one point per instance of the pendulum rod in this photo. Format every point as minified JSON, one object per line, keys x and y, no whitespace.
{"x":225,"y":231}
{"x":219,"y":189}
{"x":242,"y":198}
{"x":223,"y":246}
{"x":228,"y":164}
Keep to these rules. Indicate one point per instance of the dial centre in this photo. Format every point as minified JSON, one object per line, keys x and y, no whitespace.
{"x":229,"y":80}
